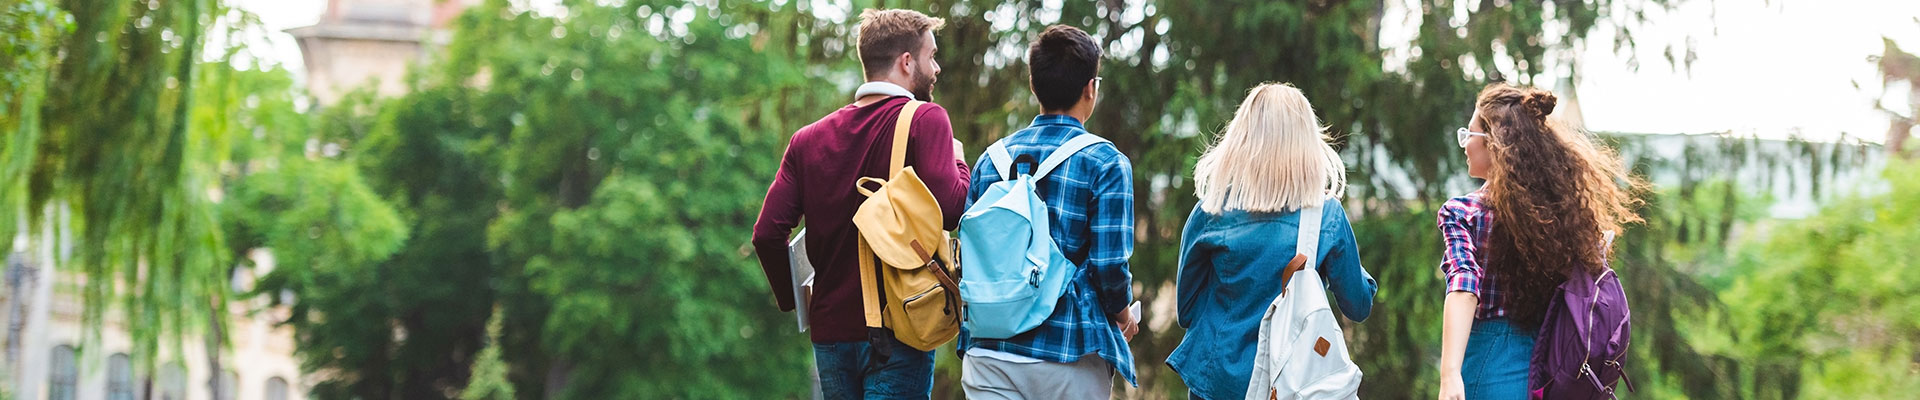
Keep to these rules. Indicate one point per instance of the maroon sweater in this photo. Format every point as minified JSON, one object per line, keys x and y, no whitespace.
{"x":815,"y":182}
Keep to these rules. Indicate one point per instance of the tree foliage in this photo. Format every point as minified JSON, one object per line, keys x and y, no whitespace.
{"x":615,"y":154}
{"x":101,"y":146}
{"x":561,"y":167}
{"x":1826,"y":307}
{"x":560,"y":205}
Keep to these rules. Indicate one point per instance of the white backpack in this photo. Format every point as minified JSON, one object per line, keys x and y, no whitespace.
{"x":1302,"y":353}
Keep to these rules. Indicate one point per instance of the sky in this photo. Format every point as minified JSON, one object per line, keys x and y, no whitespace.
{"x":271,"y":42}
{"x":1767,"y":68}
{"x":1771,"y":68}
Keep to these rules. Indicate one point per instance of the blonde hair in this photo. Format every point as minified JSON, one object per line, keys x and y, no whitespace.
{"x":1273,"y":157}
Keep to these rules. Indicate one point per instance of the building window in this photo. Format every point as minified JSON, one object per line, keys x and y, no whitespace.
{"x":276,"y":389}
{"x":120,"y":377}
{"x":229,"y":385}
{"x":63,"y":375}
{"x":173,"y":382}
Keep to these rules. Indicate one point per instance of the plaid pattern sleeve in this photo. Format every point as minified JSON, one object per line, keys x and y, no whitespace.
{"x":1464,"y":222}
{"x":1111,"y":223}
{"x":1090,"y":199}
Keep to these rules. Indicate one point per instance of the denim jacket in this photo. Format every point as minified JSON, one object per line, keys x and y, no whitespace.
{"x":1230,"y":266}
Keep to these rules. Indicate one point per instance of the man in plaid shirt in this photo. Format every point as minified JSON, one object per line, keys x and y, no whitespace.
{"x":1075,"y":353}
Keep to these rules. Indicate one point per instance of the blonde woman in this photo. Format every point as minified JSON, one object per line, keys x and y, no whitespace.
{"x":1272,"y":161}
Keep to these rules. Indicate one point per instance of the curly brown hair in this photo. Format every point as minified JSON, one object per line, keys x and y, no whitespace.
{"x":1554,"y":192}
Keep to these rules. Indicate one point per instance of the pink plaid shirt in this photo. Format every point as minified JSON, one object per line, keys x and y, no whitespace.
{"x":1464,"y":222}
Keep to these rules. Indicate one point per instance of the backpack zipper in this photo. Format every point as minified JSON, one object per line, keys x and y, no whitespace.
{"x":922,"y":294}
{"x":1587,"y":342}
{"x":1615,"y":362}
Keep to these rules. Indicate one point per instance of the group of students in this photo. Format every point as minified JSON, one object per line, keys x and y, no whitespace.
{"x":1558,"y":196}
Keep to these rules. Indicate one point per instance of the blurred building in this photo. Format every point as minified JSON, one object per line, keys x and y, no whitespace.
{"x":361,"y":42}
{"x":356,"y":43}
{"x":45,"y":334}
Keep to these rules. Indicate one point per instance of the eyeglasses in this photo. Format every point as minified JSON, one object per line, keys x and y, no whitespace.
{"x":1463,"y":134}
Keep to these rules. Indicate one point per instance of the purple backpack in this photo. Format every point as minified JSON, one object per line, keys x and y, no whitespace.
{"x":1583,"y":339}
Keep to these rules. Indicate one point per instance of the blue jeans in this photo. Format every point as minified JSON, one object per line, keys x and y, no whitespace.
{"x":879,"y":368}
{"x":1497,"y":361}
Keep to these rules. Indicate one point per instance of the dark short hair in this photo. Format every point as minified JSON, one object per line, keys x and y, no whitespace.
{"x":884,"y":34}
{"x":1059,"y":65}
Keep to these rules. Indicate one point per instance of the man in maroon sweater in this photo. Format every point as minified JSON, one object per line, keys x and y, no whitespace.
{"x":816,"y":183}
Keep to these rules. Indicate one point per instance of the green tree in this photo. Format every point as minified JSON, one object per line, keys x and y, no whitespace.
{"x":131,"y":189}
{"x":418,"y":316}
{"x":588,"y":174}
{"x":560,"y":168}
{"x":328,"y":233}
{"x":32,"y":29}
{"x":626,"y":237}
{"x":123,"y":133}
{"x":1825,"y":307}
{"x":1175,"y":71}
{"x":490,"y":370}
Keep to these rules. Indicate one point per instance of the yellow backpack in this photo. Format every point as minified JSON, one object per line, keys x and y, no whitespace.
{"x":914,"y":294}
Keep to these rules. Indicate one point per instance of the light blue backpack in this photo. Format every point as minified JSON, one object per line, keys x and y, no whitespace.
{"x":1014,"y":274}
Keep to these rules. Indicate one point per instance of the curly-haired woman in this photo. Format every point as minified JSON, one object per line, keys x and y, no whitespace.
{"x":1556,"y":195}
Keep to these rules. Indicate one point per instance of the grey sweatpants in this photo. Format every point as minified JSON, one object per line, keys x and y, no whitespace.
{"x":986,"y":378}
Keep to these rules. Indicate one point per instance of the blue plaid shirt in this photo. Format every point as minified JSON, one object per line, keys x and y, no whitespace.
{"x":1090,"y":198}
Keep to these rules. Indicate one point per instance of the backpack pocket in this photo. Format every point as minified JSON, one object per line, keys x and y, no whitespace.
{"x":995,"y":309}
{"x":1302,"y":352}
{"x":1317,"y":365}
{"x":929,"y":308}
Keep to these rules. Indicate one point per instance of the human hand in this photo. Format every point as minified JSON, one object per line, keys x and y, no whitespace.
{"x":1129,"y":325}
{"x":1451,"y":387}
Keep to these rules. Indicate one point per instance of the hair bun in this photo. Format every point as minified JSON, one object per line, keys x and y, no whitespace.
{"x":1540,"y":102}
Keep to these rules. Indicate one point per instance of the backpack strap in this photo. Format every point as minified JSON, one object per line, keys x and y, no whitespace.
{"x":901,"y":126}
{"x":869,"y":284}
{"x":1066,"y":151}
{"x":1002,"y":161}
{"x":869,"y":267}
{"x":1308,"y":243}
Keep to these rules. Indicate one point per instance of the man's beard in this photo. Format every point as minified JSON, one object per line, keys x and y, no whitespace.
{"x":923,"y":87}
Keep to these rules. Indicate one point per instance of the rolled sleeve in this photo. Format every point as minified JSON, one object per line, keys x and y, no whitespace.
{"x":1458,"y":262}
